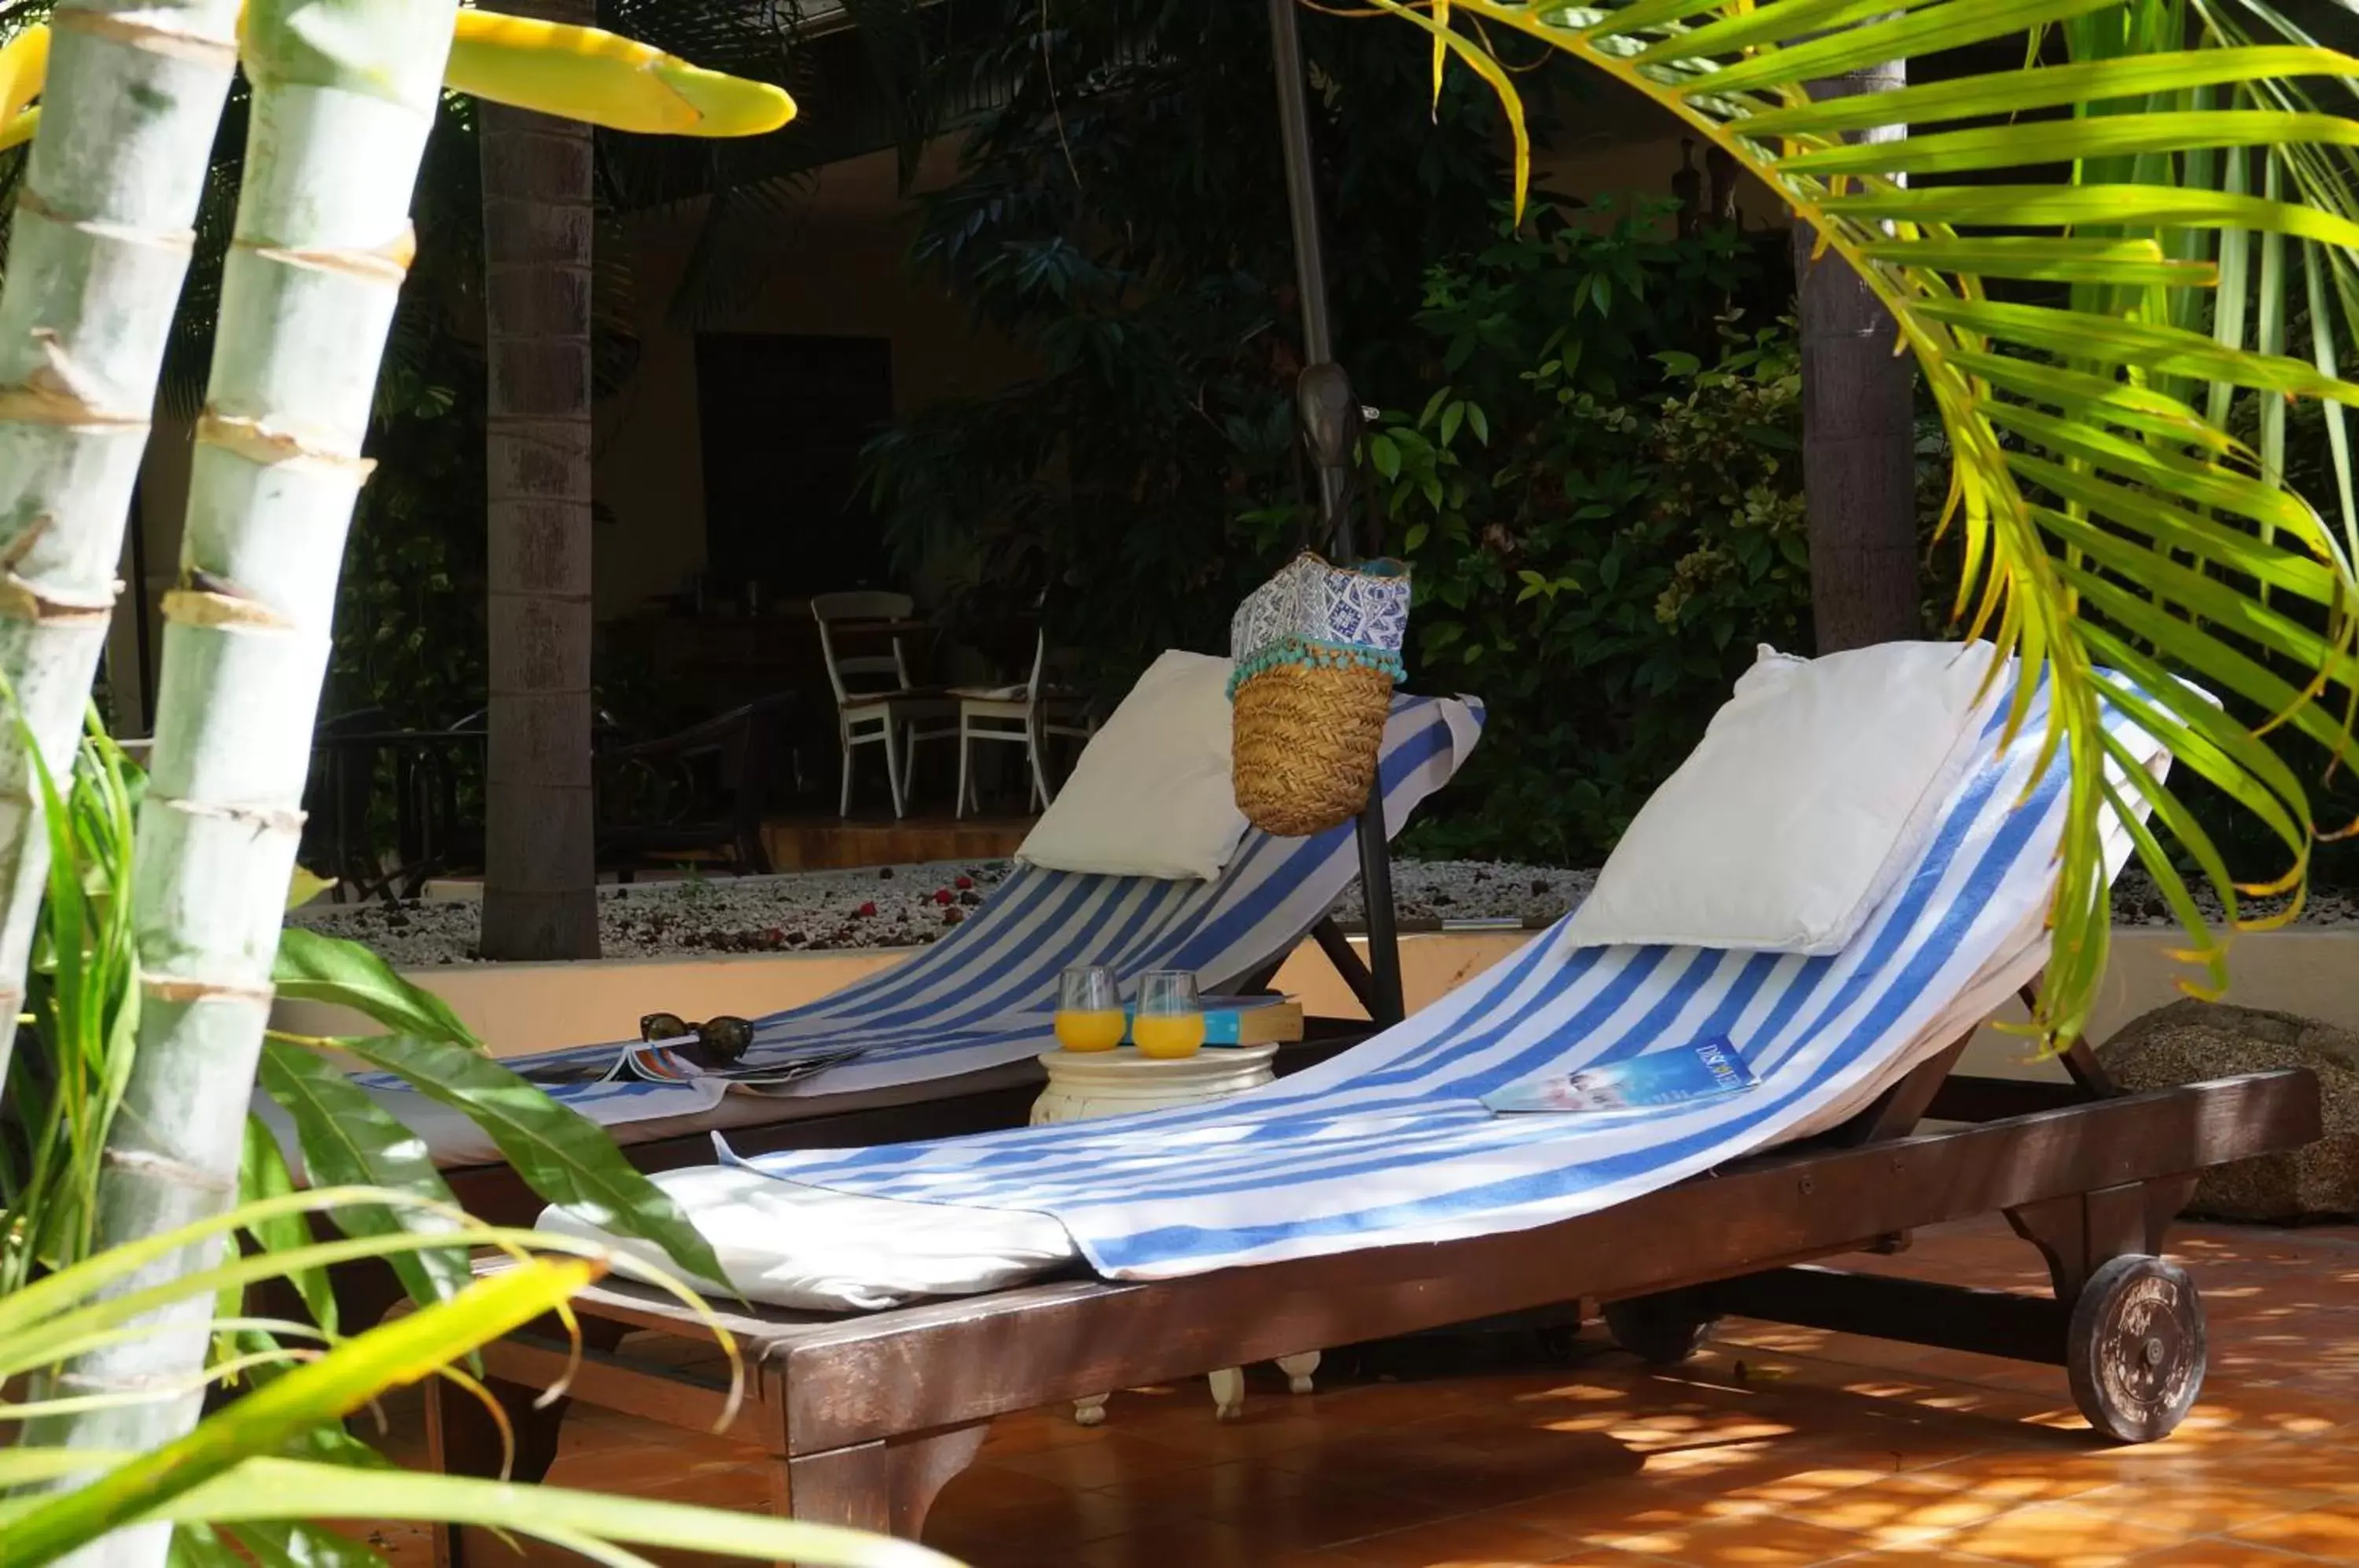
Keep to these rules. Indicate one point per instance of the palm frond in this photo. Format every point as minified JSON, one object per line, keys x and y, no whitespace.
{"x":2067,"y":246}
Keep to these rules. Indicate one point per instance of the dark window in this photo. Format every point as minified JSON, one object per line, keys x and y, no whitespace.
{"x":782,"y":420}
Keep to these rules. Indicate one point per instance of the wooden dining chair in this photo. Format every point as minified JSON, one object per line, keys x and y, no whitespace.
{"x":1027,"y":716}
{"x":875,"y":702}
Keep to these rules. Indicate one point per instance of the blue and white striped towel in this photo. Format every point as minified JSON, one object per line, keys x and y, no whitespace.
{"x":1388,"y":1144}
{"x":984,"y":995}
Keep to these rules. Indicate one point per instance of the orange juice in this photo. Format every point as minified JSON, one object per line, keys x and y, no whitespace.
{"x":1096,"y":1028}
{"x":1167,"y":1035}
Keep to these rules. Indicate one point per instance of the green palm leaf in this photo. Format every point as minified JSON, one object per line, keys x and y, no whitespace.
{"x":252,"y":1476}
{"x":2078,"y":312}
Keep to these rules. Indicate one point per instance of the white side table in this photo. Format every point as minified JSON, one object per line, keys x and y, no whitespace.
{"x":1086,"y":1085}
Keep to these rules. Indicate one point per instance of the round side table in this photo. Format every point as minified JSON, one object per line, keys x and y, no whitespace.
{"x":1087,"y":1085}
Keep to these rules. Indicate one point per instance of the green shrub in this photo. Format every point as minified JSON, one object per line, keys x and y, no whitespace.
{"x":1603,"y":521}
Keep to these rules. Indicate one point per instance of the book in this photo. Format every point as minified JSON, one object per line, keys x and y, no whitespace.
{"x":1240,"y":1020}
{"x":1707,"y":1070}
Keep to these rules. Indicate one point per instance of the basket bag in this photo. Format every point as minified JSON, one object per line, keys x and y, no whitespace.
{"x":1316,"y":649}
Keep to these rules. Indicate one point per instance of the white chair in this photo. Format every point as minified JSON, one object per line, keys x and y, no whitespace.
{"x":1026,"y":716}
{"x":875,"y":704}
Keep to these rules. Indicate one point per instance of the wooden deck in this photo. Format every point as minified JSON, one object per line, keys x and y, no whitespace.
{"x":1778,"y":1447}
{"x":830,"y":843}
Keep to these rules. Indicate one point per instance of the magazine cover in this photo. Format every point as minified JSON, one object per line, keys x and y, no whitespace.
{"x":1703,"y":1071}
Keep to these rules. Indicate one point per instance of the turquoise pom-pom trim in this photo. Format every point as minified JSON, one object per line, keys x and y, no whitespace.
{"x":1316,"y":656}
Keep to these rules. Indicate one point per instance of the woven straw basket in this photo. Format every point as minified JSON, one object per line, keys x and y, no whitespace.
{"x":1317,"y":650}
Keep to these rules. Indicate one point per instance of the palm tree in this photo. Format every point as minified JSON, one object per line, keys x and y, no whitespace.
{"x":546,"y":184}
{"x":1859,"y":458}
{"x":2067,"y":309}
{"x":540,"y":870}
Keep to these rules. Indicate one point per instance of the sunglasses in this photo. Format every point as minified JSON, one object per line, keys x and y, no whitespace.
{"x":717,"y":1042}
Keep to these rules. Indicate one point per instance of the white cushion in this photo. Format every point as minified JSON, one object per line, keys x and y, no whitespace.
{"x":1151,"y":794}
{"x":1813,"y":788}
{"x":788,"y":1245}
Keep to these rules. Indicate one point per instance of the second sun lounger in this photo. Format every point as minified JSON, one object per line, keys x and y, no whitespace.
{"x":951,"y":1037}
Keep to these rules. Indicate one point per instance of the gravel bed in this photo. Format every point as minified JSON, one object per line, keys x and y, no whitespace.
{"x":909,"y":906}
{"x":892,"y":906}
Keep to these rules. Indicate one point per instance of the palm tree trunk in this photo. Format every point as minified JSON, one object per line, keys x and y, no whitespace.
{"x":99,"y":246}
{"x":344,"y":93}
{"x":1859,"y":460}
{"x":540,"y":872}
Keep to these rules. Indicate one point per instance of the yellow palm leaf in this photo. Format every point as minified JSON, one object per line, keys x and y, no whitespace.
{"x":24,"y":60}
{"x":582,"y":73}
{"x":576,"y":73}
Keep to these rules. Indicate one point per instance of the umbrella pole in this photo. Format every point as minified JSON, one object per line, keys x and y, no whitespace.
{"x":1319,"y":349}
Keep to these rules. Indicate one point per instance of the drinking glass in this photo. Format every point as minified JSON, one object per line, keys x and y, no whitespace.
{"x":1170,"y":1019}
{"x":1088,"y":1010}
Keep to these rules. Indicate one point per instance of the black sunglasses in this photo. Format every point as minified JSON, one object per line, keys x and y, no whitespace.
{"x":716,"y":1043}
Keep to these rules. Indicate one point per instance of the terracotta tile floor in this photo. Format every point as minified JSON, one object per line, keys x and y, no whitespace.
{"x":1775,"y":1447}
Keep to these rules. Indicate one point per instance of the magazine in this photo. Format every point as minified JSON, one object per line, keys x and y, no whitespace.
{"x":1706,"y":1070}
{"x":663,"y":1061}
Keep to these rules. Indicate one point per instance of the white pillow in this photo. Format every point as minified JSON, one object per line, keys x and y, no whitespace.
{"x":788,"y":1245}
{"x":1812,"y":790}
{"x":1151,"y":794}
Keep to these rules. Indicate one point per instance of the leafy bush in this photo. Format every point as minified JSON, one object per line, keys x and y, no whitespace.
{"x":1601,"y":586}
{"x":1604,"y":506}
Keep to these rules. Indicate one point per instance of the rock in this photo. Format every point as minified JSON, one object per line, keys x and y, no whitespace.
{"x":2188,"y":1042}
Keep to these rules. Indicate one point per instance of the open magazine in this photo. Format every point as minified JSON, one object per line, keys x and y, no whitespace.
{"x":668,"y":1061}
{"x":1703,"y":1071}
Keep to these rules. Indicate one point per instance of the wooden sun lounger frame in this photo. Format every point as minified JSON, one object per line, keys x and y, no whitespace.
{"x":868,"y":1416}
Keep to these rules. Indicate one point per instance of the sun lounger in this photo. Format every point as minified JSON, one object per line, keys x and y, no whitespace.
{"x":1370,"y":1196}
{"x":947,"y":1040}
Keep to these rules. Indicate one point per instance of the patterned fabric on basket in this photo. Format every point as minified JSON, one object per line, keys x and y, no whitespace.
{"x":1315,"y":613}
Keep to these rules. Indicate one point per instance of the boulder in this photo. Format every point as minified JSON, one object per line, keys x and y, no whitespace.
{"x":2188,"y":1042}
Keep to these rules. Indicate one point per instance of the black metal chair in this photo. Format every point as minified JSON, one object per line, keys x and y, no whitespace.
{"x":336,"y":799}
{"x":697,"y":795}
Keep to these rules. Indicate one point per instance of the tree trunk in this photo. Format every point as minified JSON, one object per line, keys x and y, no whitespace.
{"x":344,"y":95}
{"x":99,"y":246}
{"x":1859,"y":459}
{"x":540,"y":866}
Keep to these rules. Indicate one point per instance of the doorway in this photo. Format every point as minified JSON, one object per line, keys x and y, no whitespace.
{"x":781,"y":420}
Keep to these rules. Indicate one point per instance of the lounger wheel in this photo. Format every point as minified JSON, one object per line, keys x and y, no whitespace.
{"x":2135,"y":1348}
{"x":1661,"y":1329}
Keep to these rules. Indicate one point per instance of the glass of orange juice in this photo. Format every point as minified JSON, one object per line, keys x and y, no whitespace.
{"x":1088,"y":1010}
{"x":1170,"y":1019}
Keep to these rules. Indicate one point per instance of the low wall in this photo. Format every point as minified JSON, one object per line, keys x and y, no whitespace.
{"x":521,"y":1008}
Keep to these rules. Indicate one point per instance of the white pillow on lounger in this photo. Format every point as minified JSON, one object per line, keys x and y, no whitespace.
{"x":1151,"y":794}
{"x":1814,"y":787}
{"x":788,"y":1245}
